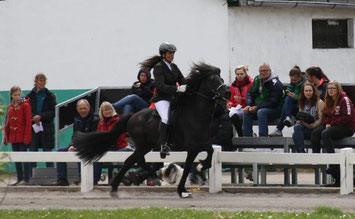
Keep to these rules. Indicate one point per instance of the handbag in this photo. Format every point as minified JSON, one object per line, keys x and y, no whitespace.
{"x":305,"y":117}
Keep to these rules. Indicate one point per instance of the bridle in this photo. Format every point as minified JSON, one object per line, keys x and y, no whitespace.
{"x":216,"y":94}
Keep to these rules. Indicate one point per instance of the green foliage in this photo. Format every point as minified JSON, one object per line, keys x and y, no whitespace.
{"x":166,"y":213}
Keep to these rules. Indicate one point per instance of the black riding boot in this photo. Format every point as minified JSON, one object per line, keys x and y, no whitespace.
{"x":163,"y":140}
{"x":238,"y":124}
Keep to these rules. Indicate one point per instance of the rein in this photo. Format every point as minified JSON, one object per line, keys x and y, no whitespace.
{"x":216,"y":94}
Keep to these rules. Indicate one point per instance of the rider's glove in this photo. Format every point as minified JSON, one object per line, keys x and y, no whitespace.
{"x":181,"y":88}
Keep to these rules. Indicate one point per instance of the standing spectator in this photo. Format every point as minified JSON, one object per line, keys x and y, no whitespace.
{"x":264,"y":101}
{"x":85,"y":122}
{"x":142,"y":93}
{"x":316,"y":76}
{"x":239,"y":91}
{"x":289,"y":108}
{"x":43,"y":111}
{"x":338,"y":122}
{"x":17,"y":130}
{"x":167,"y":75}
{"x":310,"y":103}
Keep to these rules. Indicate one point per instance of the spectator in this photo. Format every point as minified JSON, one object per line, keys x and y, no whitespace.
{"x":166,"y":75}
{"x":17,"y":131}
{"x":310,"y":103}
{"x":239,"y":91}
{"x":43,"y":111}
{"x":108,"y":119}
{"x":264,"y":101}
{"x":338,"y":122}
{"x":289,"y":108}
{"x":316,"y":76}
{"x":85,"y":122}
{"x":142,"y":93}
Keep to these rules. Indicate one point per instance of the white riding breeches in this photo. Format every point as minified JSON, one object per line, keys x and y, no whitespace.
{"x":163,"y":107}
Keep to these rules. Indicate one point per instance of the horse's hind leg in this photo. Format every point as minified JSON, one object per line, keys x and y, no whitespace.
{"x":183,"y":193}
{"x":129,"y":162}
{"x":206,"y":163}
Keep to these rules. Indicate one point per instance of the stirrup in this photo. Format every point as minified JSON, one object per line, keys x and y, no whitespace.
{"x":164,"y":151}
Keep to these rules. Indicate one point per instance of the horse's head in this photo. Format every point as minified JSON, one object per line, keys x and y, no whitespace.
{"x":205,"y":80}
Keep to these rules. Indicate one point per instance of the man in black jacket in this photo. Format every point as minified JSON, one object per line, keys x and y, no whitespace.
{"x":85,"y":122}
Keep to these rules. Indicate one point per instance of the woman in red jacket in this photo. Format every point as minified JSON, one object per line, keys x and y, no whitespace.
{"x":18,"y":130}
{"x":108,"y":119}
{"x":239,"y":90}
{"x":338,"y":122}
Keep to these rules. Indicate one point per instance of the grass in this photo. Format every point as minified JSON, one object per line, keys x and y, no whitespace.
{"x":166,"y":213}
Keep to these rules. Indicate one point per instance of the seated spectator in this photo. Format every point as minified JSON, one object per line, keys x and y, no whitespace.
{"x":310,"y":103}
{"x":239,"y":91}
{"x":18,"y":131}
{"x":108,"y":119}
{"x":85,"y":122}
{"x":338,"y":122}
{"x":142,"y":93}
{"x":264,"y":101}
{"x":43,"y":104}
{"x":316,"y":76}
{"x":289,"y":108}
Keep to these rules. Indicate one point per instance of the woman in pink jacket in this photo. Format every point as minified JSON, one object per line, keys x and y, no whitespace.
{"x":18,"y":130}
{"x":239,"y":90}
{"x":338,"y":122}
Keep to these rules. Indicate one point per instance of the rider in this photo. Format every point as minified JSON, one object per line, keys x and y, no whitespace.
{"x":168,"y":80}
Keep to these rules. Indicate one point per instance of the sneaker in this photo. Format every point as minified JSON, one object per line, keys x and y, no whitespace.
{"x":301,"y":150}
{"x":15,"y":183}
{"x":289,"y":121}
{"x":276,"y":133}
{"x":61,"y":182}
{"x":23,"y":183}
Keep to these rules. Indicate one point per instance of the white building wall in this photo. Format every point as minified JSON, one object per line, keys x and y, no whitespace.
{"x":81,"y":44}
{"x":283,"y":38}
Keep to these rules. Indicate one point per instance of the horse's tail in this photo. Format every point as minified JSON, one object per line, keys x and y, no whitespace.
{"x":92,"y":146}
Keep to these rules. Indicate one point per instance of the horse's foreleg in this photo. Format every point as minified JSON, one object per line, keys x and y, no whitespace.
{"x":183,"y":193}
{"x":206,"y":163}
{"x":129,"y":162}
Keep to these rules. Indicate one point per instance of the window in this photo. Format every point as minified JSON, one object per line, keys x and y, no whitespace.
{"x":332,"y":33}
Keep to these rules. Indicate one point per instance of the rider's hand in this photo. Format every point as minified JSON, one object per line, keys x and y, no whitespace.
{"x":181,"y":88}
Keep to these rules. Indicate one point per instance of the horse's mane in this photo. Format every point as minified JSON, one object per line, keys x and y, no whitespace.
{"x":199,"y":72}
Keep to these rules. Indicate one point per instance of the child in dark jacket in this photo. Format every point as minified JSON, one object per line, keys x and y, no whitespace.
{"x":18,"y":130}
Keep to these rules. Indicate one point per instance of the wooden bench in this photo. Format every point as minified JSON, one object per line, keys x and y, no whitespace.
{"x":285,"y":143}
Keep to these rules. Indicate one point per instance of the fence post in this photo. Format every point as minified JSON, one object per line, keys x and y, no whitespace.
{"x":87,"y":177}
{"x":346,"y":171}
{"x":215,"y":172}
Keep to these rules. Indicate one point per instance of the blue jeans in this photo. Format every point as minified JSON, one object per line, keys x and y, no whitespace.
{"x":23,"y":172}
{"x":62,"y":168}
{"x":131,"y":104}
{"x":289,"y":108}
{"x":300,"y":133}
{"x":263,"y":116}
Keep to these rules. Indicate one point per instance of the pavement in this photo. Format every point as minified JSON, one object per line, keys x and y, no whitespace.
{"x":233,"y":198}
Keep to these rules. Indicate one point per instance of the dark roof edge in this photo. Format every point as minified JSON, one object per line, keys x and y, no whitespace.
{"x":289,"y":4}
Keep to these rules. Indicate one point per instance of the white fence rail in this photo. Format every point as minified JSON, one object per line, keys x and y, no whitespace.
{"x":346,"y":160}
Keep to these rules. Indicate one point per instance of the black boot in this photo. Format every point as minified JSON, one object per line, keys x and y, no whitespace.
{"x":138,"y":176}
{"x":334,"y":170}
{"x":238,"y":124}
{"x":163,"y":140}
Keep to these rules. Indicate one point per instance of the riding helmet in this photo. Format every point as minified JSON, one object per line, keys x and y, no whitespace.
{"x":166,"y":47}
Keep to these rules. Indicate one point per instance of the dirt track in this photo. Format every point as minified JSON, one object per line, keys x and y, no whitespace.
{"x":128,"y":198}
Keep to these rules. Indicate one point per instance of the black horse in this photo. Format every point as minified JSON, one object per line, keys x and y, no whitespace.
{"x":193,"y":114}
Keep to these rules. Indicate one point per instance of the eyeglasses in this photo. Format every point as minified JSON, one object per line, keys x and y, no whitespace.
{"x":331,"y":88}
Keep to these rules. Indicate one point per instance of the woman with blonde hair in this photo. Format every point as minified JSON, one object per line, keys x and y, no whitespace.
{"x":338,"y":122}
{"x":239,"y":91}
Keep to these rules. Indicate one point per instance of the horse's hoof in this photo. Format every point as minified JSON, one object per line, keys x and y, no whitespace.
{"x":186,"y":195}
{"x":114,"y":194}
